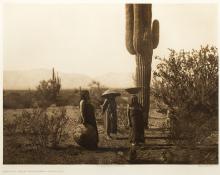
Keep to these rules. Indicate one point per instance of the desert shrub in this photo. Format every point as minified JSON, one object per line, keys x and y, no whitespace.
{"x":43,"y":127}
{"x":186,"y":86}
{"x":57,"y":125}
{"x":47,"y":92}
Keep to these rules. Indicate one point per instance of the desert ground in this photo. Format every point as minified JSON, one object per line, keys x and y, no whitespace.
{"x":158,"y":147}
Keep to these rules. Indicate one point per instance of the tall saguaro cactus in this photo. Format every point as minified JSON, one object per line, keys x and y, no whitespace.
{"x":142,"y":36}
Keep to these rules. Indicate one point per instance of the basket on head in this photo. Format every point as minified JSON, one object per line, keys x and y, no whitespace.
{"x":133,"y":90}
{"x":110,"y":93}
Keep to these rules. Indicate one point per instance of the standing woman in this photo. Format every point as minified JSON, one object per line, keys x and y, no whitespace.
{"x":87,"y":118}
{"x":136,"y":121}
{"x":109,"y":107}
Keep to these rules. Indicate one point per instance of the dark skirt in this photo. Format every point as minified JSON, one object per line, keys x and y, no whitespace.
{"x":137,"y":126}
{"x":86,"y":136}
{"x":90,"y":125}
{"x":110,"y":122}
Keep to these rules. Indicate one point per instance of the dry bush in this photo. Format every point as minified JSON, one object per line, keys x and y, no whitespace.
{"x":47,"y":92}
{"x":186,"y":85}
{"x":43,"y":127}
{"x":57,"y":124}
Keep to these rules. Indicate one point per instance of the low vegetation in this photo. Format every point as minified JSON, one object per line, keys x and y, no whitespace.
{"x":186,"y":89}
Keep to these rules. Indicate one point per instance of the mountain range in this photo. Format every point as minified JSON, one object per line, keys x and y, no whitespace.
{"x":29,"y":79}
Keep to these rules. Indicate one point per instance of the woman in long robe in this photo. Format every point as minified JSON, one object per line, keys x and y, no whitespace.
{"x":109,"y":107}
{"x":136,"y":121}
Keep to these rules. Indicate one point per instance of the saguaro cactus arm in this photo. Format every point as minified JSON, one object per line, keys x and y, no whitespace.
{"x":155,"y":33}
{"x":139,"y":27}
{"x":129,"y":12}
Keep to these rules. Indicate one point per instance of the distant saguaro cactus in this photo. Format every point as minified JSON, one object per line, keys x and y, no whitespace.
{"x":56,"y":85}
{"x":141,"y":38}
{"x":48,"y":90}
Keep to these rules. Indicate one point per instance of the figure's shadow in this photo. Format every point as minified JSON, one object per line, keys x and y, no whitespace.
{"x":121,"y":138}
{"x":98,"y":150}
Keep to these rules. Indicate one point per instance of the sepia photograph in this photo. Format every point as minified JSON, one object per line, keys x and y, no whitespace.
{"x":110,"y":83}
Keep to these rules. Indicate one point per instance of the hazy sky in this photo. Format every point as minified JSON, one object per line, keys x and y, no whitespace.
{"x":89,"y":38}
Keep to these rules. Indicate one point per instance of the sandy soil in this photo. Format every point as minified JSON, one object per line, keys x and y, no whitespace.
{"x":158,"y":149}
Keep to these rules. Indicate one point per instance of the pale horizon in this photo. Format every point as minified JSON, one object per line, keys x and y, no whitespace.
{"x":64,"y":72}
{"x":89,"y":38}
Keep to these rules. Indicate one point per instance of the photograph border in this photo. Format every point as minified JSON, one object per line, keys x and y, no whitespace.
{"x":99,"y":169}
